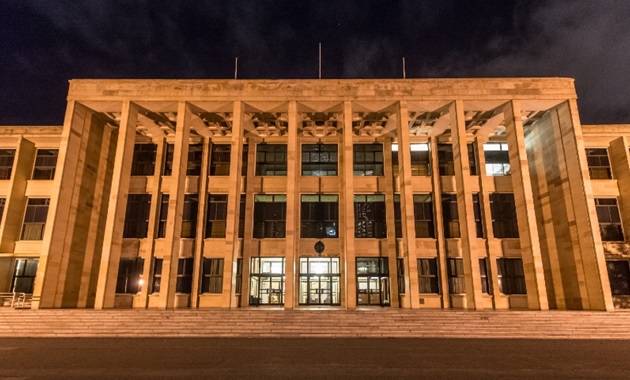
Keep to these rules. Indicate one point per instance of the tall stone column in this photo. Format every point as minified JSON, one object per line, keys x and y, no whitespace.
{"x":117,"y":207}
{"x":465,"y":207}
{"x":347,"y":200}
{"x":392,"y":258}
{"x":525,"y":209}
{"x":406,"y":205}
{"x":201,"y":221}
{"x":293,"y":207}
{"x":619,"y":152}
{"x":436,"y":182}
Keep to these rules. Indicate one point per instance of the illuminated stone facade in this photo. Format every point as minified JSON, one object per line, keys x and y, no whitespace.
{"x":441,"y":193}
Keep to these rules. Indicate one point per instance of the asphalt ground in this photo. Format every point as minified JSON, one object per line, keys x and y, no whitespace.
{"x":312,"y":358}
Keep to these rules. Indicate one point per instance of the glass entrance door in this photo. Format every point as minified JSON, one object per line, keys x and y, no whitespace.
{"x":266,"y":281}
{"x":372,"y":281}
{"x":319,"y":281}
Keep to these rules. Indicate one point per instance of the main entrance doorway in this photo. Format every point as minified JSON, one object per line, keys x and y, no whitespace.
{"x":373,"y":281}
{"x":319,"y":281}
{"x":266,"y":281}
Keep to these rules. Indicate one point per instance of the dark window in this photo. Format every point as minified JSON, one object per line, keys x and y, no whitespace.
{"x":271,"y":159}
{"x":220,"y":159}
{"x":619,"y":276}
{"x":450,"y":216}
{"x":129,"y":273}
{"x":427,"y":276}
{"x":195,"y":156}
{"x":456,"y":279}
{"x":397,"y":217}
{"x":511,"y":276}
{"x":368,"y":159}
{"x":395,"y":160}
{"x":497,"y":159}
{"x":270,"y":216}
{"x":184,"y":276}
{"x":6,"y":163}
{"x":216,"y":215}
{"x":24,"y":275}
{"x":2,"y":202}
{"x":35,"y":218}
{"x":609,"y":219}
{"x":241,"y":217}
{"x":420,"y":160}
{"x":163,"y":216}
{"x":598,"y":163}
{"x":483,"y":274}
{"x":319,"y":160}
{"x":423,"y":214}
{"x":137,"y":216}
{"x":445,"y":159}
{"x":238,"y":288}
{"x":143,"y":163}
{"x":369,"y":216}
{"x":245,"y":158}
{"x":45,"y":163}
{"x":320,"y":216}
{"x":157,"y":275}
{"x":477,"y":212}
{"x":212,"y":276}
{"x":400,"y":269}
{"x":168,"y":160}
{"x":472,"y":159}
{"x":189,"y":216}
{"x":503,"y":210}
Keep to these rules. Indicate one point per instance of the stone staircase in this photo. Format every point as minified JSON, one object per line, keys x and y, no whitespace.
{"x":363,"y":323}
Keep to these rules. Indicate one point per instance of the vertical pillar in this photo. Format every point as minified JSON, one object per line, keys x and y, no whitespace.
{"x":406,"y":205}
{"x":465,"y":207}
{"x":436,"y":181}
{"x":347,"y":200}
{"x":619,"y":152}
{"x":201,"y":221}
{"x":525,"y":211}
{"x":249,"y":218}
{"x":293,"y":205}
{"x":391,"y":222}
{"x":112,"y":240}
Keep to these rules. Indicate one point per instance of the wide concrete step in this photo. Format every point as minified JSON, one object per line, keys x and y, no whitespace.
{"x":314,"y":323}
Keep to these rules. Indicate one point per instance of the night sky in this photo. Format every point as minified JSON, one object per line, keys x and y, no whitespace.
{"x":44,"y":43}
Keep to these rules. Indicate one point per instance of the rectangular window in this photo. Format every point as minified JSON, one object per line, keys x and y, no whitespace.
{"x":598,"y":163}
{"x":245,"y":159}
{"x":137,"y":216}
{"x":220,"y":159}
{"x":367,"y":159}
{"x":483,"y":274}
{"x":319,"y":160}
{"x":6,"y":163}
{"x":420,"y":160}
{"x":157,"y":275}
{"x":167,"y":170}
{"x":195,"y":156}
{"x":472,"y":159}
{"x":35,"y":218}
{"x":320,"y":216}
{"x":270,"y":216}
{"x":129,"y":275}
{"x":400,"y":269}
{"x":184,"y":275}
{"x":423,"y":215}
{"x":24,"y":275}
{"x":497,"y":159}
{"x":428,"y":276}
{"x":619,"y":277}
{"x":45,"y":164}
{"x":216,"y":215}
{"x":369,"y":216}
{"x":212,"y":276}
{"x":189,"y":216}
{"x":271,"y":160}
{"x":143,"y":163}
{"x":2,"y":202}
{"x":511,"y":276}
{"x":395,"y":161}
{"x":477,"y":212}
{"x":241,"y":217}
{"x":397,"y":217}
{"x":609,"y":219}
{"x":456,"y":279}
{"x":503,"y":210}
{"x":445,"y":159}
{"x":163,"y":214}
{"x":450,"y":216}
{"x":238,"y":288}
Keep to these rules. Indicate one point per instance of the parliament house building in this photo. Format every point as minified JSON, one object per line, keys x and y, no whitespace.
{"x":309,"y":194}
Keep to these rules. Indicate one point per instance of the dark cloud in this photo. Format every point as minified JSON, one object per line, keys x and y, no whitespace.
{"x":47,"y":42}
